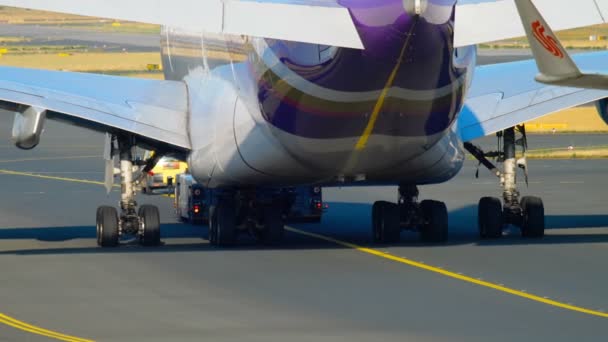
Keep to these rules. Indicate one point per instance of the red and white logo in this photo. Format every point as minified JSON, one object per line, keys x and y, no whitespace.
{"x":548,"y":42}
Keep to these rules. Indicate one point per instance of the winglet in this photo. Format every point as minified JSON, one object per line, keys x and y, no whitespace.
{"x":554,"y":63}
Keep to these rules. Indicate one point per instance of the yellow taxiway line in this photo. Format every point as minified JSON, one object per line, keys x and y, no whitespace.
{"x":453,"y":275}
{"x":47,"y":158}
{"x":4,"y":319}
{"x":64,"y":179}
{"x":20,"y":325}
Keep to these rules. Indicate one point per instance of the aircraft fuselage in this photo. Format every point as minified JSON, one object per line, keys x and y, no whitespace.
{"x":266,"y":111}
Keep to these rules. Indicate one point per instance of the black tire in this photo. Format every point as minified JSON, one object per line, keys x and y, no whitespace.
{"x":435,"y":228}
{"x":150,"y":221}
{"x":274,"y":226}
{"x":386,"y":221}
{"x":533,"y":222}
{"x":107,"y":227}
{"x":489,"y":218}
{"x":376,"y":234}
{"x":212,"y":226}
{"x":224,"y":224}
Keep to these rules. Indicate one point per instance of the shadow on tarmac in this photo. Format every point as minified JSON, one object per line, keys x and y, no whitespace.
{"x":345,"y":221}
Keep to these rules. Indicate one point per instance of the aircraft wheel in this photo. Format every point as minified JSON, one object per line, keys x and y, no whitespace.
{"x":274,"y":227}
{"x":435,"y":215}
{"x":386,"y":225}
{"x":490,"y":218}
{"x":150,"y":220}
{"x":533,"y":224}
{"x":223,"y":224}
{"x":212,"y":226}
{"x":107,"y":227}
{"x":375,"y":218}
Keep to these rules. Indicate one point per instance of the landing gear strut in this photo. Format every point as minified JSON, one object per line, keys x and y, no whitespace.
{"x":144,"y":224}
{"x":429,"y":218}
{"x":526,"y":213}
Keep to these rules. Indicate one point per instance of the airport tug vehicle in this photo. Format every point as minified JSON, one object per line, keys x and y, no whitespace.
{"x":162,"y":177}
{"x":191,"y":200}
{"x":298,"y":204}
{"x":305,"y":204}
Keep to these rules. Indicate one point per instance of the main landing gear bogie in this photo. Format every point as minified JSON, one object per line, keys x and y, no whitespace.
{"x":493,"y":214}
{"x":243,"y":212}
{"x":222,"y":225}
{"x":144,"y":223}
{"x":429,"y":218}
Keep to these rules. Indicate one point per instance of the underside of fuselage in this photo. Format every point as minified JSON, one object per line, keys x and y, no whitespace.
{"x":286,"y":112}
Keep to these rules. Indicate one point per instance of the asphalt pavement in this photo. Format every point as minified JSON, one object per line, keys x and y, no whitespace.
{"x":55,"y":278}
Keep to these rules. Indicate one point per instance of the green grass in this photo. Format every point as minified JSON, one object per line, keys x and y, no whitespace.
{"x":29,"y":17}
{"x":571,"y":39}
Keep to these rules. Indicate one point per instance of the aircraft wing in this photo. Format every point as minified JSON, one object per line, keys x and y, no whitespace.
{"x":505,"y":95}
{"x":154,"y":111}
{"x":482,"y":21}
{"x":312,"y":21}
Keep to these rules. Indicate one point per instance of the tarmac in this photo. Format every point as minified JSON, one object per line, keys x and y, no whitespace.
{"x":333,"y":285}
{"x":327,"y":282}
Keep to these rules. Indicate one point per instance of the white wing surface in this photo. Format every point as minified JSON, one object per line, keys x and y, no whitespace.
{"x":311,"y":21}
{"x":505,"y":95}
{"x":154,"y":111}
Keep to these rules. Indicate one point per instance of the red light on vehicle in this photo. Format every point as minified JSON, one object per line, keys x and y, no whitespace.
{"x":150,"y":173}
{"x":197,"y":209}
{"x":319,"y":205}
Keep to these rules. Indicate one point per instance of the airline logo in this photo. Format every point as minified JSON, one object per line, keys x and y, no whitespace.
{"x":548,"y":42}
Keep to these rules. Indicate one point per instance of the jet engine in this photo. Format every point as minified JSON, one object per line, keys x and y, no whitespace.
{"x":28,"y":127}
{"x":602,"y":109}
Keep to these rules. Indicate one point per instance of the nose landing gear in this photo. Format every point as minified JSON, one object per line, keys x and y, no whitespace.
{"x":527,"y":213}
{"x":144,"y":224}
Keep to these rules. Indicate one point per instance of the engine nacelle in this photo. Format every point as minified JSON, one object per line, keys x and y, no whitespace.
{"x":28,"y":127}
{"x":602,"y":109}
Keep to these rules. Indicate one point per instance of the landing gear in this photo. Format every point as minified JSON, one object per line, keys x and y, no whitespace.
{"x":149,"y":220}
{"x":107,"y":227}
{"x":490,"y":218}
{"x":435,"y":226}
{"x":223,"y":228}
{"x":274,"y":226}
{"x":258,"y":212}
{"x":533,"y":220}
{"x":144,"y":224}
{"x":386,"y":223}
{"x":527,"y":214}
{"x":429,"y":218}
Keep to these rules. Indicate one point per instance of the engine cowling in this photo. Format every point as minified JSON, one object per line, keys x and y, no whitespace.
{"x":602,"y":109}
{"x":28,"y":127}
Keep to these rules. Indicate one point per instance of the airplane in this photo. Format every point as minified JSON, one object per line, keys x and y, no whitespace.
{"x":266,"y":94}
